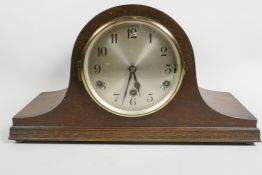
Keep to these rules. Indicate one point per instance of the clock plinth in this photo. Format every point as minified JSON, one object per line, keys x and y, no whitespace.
{"x":193,"y":115}
{"x":54,"y":130}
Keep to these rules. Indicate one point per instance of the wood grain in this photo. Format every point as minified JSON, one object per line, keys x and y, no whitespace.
{"x":166,"y":134}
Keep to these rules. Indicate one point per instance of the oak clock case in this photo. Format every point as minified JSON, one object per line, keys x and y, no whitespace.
{"x":133,"y":80}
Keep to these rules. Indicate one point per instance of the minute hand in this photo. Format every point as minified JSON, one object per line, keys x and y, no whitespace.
{"x":129,"y":79}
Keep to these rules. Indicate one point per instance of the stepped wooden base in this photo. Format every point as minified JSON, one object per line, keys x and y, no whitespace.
{"x":219,"y":134}
{"x":46,"y":102}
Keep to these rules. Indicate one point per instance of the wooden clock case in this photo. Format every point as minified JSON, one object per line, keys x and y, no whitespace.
{"x":193,"y":115}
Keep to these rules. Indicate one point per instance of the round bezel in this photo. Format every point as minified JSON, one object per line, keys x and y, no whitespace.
{"x":85,"y":72}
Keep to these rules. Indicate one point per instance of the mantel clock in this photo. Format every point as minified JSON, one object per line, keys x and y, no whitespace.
{"x":133,"y":80}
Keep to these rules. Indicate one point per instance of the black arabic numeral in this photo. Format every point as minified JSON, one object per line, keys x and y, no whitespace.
{"x":163,"y":51}
{"x":114,"y":38}
{"x":102,"y":51}
{"x":132,"y":33}
{"x":149,"y":98}
{"x":133,"y":102}
{"x":97,"y":69}
{"x":150,"y":38}
{"x":116,"y":97}
{"x":170,"y":68}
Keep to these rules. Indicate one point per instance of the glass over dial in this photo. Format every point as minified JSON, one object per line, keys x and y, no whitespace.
{"x":132,"y":67}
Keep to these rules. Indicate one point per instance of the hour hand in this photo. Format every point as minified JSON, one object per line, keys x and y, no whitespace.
{"x":137,"y":84}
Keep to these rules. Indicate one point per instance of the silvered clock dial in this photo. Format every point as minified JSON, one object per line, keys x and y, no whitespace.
{"x":131,"y":66}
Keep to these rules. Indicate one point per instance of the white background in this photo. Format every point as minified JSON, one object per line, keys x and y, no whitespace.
{"x":36,"y":41}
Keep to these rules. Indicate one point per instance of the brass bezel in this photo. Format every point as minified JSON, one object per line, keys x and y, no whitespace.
{"x":146,"y":20}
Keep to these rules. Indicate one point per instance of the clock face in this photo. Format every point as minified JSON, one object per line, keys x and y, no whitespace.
{"x":132,"y":67}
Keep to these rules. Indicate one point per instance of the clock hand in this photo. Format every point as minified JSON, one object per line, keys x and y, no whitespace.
{"x":137,"y":84}
{"x":131,"y":70}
